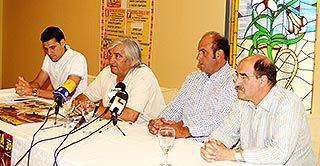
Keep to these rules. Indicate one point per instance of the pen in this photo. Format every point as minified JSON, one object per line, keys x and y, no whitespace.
{"x":20,"y":99}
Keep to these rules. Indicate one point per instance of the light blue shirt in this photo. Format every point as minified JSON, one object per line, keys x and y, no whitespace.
{"x":273,"y":132}
{"x":203,"y":102}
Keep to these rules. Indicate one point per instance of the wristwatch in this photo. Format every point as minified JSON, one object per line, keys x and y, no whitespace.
{"x":34,"y":92}
{"x":238,"y":156}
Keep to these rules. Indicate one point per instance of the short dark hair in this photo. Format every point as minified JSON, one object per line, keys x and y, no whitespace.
{"x":223,"y":44}
{"x":219,"y":43}
{"x":265,"y":67}
{"x":50,"y":33}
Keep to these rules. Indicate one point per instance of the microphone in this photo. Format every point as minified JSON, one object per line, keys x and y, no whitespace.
{"x":64,"y":91}
{"x":119,"y":87}
{"x":118,"y":105}
{"x":61,"y":94}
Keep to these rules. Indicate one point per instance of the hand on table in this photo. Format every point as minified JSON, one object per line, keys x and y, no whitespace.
{"x":181,"y":130}
{"x":155,"y":124}
{"x":214,"y":150}
{"x":23,"y":87}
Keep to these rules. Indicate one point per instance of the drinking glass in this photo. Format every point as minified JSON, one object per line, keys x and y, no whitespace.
{"x":166,"y":136}
{"x":87,"y":112}
{"x":68,"y":107}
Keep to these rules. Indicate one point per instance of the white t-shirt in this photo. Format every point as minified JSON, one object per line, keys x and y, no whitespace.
{"x":71,"y":63}
{"x":141,"y":85}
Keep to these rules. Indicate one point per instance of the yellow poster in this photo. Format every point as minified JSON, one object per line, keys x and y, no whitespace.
{"x":114,"y":23}
{"x":138,"y":27}
{"x":114,"y":3}
{"x":139,"y":4}
{"x":133,"y":18}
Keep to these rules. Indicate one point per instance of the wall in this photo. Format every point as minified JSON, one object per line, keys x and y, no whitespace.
{"x":179,"y":25}
{"x":314,"y":119}
{"x":316,"y":90}
{"x":24,"y":21}
{"x":1,"y":37}
{"x":178,"y":28}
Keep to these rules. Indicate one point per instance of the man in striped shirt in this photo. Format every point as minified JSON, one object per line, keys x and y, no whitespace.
{"x":269,"y":123}
{"x":205,"y":97}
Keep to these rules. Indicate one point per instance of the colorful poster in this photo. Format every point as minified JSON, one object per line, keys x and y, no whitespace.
{"x":114,"y":24}
{"x":133,"y":18}
{"x":282,"y":30}
{"x":5,"y":148}
{"x":138,"y":22}
{"x":114,"y":3}
{"x":18,"y":113}
{"x":139,"y":4}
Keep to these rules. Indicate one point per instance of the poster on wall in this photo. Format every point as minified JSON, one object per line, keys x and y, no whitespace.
{"x":282,"y":30}
{"x":133,"y":18}
{"x":5,"y":148}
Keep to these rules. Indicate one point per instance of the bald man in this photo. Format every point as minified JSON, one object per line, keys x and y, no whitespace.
{"x":267,"y":123}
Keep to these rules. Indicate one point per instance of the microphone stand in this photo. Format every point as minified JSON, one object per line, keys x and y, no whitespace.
{"x":114,"y":119}
{"x":57,"y":151}
{"x":58,"y":101}
{"x":56,"y":137}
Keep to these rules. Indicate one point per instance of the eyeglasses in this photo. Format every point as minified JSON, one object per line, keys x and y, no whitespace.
{"x":241,"y":76}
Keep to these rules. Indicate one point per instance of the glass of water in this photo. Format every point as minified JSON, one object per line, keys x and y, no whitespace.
{"x":166,"y":136}
{"x":68,"y":107}
{"x":87,"y":113}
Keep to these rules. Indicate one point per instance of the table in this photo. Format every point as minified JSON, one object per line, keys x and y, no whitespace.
{"x":109,"y":147}
{"x":138,"y":147}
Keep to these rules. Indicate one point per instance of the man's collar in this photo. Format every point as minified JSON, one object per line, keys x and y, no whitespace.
{"x":265,"y":103}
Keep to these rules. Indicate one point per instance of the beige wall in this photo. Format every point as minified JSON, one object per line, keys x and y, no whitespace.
{"x":314,"y":119}
{"x":178,"y":28}
{"x":179,"y":25}
{"x":1,"y":37}
{"x":24,"y":21}
{"x":316,"y":90}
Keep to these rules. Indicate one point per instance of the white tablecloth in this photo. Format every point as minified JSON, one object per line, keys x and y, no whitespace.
{"x":109,"y":147}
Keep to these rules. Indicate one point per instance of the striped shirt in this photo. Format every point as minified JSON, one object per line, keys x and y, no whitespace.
{"x":273,"y":132}
{"x":203,"y":102}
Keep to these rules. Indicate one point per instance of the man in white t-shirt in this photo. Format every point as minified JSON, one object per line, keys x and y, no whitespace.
{"x":145,"y":99}
{"x":60,"y":64}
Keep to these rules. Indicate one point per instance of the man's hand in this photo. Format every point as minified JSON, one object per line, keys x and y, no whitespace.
{"x":155,"y":124}
{"x":214,"y":150}
{"x":77,"y":102}
{"x":23,"y":87}
{"x":181,"y":130}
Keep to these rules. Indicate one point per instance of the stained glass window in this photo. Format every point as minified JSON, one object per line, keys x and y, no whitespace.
{"x":282,"y":30}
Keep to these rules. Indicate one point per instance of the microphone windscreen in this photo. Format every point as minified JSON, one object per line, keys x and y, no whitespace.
{"x":65,"y":90}
{"x":70,"y":85}
{"x":121,"y":86}
{"x":119,"y":102}
{"x":123,"y":95}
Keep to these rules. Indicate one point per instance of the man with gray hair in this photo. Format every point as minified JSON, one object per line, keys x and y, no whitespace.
{"x":125,"y":65}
